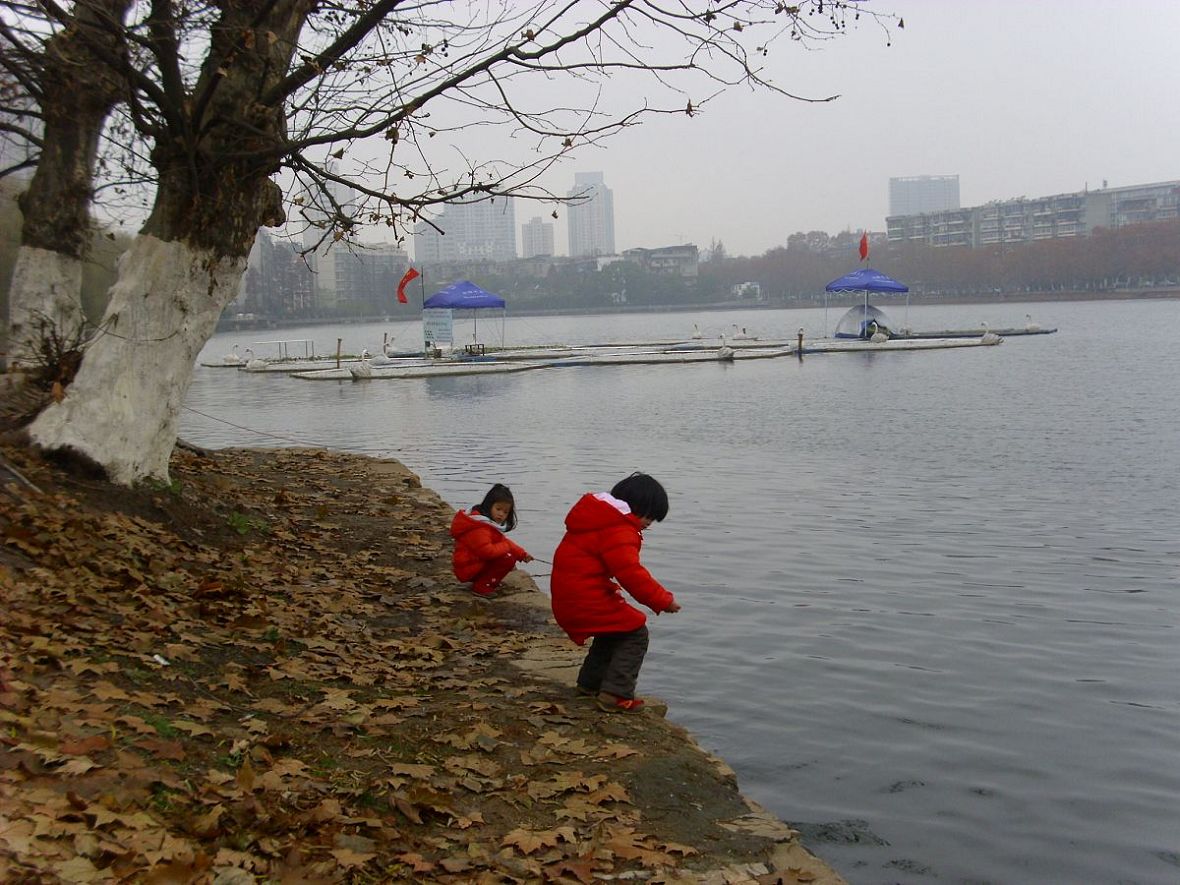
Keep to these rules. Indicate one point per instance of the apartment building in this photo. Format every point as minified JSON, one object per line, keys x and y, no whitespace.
{"x":1042,"y":218}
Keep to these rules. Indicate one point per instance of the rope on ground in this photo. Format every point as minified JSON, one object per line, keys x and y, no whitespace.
{"x":286,"y":439}
{"x":383,"y":453}
{"x":11,"y":469}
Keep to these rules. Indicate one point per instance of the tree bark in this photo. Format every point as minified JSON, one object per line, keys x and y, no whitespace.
{"x":122,"y":410}
{"x":77,"y":94}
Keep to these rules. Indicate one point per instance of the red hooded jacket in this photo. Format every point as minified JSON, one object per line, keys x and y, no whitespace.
{"x":601,"y":546}
{"x":477,"y":542}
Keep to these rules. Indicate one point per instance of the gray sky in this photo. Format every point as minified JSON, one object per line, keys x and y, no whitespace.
{"x":1017,"y":97}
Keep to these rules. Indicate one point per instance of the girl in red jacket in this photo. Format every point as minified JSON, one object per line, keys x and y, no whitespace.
{"x":601,"y":547}
{"x":482,"y":554}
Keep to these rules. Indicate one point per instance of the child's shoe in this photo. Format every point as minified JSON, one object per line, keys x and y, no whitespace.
{"x":615,"y":704}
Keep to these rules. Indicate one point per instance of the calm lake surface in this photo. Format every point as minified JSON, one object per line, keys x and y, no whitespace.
{"x":930,"y":600}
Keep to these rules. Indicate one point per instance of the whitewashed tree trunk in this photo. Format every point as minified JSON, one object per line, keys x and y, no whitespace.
{"x":74,"y":91}
{"x":46,"y":289}
{"x":122,"y":410}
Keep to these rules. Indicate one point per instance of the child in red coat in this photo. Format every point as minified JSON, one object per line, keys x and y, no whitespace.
{"x":601,"y":547}
{"x":482,"y":554}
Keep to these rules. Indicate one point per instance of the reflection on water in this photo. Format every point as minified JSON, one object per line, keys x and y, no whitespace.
{"x":935,"y":593}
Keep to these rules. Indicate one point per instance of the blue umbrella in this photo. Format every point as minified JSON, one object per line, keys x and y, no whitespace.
{"x":868,"y":280}
{"x":865,"y":280}
{"x":465,"y":295}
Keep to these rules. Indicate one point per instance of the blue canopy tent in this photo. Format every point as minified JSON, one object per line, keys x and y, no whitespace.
{"x":864,"y":280}
{"x":465,"y":295}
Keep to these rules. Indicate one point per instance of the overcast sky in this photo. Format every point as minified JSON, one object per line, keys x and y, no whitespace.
{"x":1017,"y":97}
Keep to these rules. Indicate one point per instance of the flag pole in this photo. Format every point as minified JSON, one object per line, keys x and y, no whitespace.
{"x":864,"y":257}
{"x":422,"y":282}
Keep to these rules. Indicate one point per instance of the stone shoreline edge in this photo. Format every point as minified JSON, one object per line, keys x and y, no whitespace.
{"x":556,"y":661}
{"x":552,"y":659}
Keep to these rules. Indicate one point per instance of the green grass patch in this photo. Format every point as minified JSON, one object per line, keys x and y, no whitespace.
{"x":152,"y":484}
{"x":243,"y":523}
{"x":325,"y":765}
{"x":163,"y":727}
{"x":163,"y":799}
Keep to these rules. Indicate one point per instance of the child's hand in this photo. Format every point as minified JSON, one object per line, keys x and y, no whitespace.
{"x":674,"y":607}
{"x":526,"y":558}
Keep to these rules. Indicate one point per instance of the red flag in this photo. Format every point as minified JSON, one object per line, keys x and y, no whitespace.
{"x":864,"y":246}
{"x":410,"y":276}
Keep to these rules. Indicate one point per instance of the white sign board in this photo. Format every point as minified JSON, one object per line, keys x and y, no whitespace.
{"x":437,"y":326}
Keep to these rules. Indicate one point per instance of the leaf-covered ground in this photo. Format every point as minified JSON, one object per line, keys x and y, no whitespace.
{"x":265,"y":672}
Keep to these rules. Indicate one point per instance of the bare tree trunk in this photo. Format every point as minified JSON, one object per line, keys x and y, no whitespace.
{"x":77,"y":93}
{"x":121,"y":411}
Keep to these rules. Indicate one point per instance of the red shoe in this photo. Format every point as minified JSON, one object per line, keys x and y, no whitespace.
{"x":485,"y":588}
{"x":613,"y":704}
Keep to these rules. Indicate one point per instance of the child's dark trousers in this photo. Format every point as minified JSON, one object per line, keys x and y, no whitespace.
{"x":613,"y":661}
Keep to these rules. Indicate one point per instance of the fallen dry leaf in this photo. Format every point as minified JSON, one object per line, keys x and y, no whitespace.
{"x":82,"y":746}
{"x":348,"y":858}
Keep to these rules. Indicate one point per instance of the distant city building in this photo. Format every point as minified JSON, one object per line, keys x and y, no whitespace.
{"x":591,"y":222}
{"x":748,"y":289}
{"x":680,"y":260}
{"x":324,"y":209}
{"x":277,"y":282}
{"x":536,"y":238}
{"x":468,"y":232}
{"x":1042,"y":218}
{"x":923,"y":193}
{"x":367,"y":278}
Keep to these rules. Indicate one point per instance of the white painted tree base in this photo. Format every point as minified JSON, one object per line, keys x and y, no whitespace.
{"x":123,"y":408}
{"x":46,"y":288}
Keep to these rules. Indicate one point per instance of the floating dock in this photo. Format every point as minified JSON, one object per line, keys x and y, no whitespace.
{"x":856,"y":345}
{"x":973,"y":333}
{"x":430,"y":369}
{"x":602,"y":355}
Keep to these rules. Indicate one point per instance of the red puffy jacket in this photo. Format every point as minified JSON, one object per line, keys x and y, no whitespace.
{"x":477,"y":542}
{"x":601,"y":546}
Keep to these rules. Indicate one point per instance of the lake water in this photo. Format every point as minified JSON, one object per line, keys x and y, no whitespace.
{"x":930,"y":600}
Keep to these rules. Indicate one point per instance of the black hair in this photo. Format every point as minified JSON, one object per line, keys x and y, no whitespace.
{"x":497,"y":494}
{"x":645,"y":495}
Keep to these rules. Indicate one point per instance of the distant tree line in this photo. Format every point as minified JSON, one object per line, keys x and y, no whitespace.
{"x":1138,"y":256}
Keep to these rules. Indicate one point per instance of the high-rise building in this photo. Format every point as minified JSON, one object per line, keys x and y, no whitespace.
{"x":536,"y":238}
{"x":923,"y":193}
{"x":591,"y":220}
{"x":485,"y":230}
